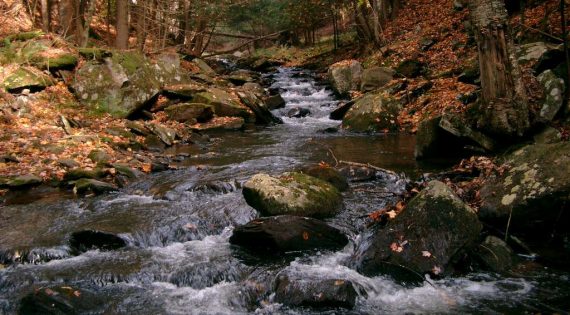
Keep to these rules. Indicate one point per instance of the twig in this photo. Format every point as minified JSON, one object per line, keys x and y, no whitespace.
{"x":369,"y":166}
{"x":508,"y":225}
{"x":334,"y":157}
{"x":541,"y":32}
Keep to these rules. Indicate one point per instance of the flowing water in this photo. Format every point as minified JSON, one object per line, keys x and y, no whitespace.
{"x":177,"y":224}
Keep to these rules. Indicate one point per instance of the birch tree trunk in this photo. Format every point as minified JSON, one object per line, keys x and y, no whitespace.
{"x":504,"y":108}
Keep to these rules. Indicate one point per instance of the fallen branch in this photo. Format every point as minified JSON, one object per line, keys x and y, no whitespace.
{"x":231,"y":50}
{"x":541,"y":32}
{"x":369,"y":166}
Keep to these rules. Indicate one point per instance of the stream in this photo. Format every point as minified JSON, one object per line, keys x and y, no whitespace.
{"x":178,"y":259}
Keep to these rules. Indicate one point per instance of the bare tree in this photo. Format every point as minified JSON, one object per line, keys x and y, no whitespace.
{"x":122,"y":40}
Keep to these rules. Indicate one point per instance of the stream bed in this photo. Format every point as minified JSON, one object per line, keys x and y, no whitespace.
{"x":177,"y":224}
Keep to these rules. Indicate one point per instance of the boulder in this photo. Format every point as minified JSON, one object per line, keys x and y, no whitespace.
{"x":15,"y":79}
{"x":43,"y":52}
{"x":341,"y":110}
{"x":375,"y":78}
{"x":532,"y":52}
{"x":184,"y":91}
{"x":329,"y":175}
{"x":83,"y":241}
{"x":287,"y":233}
{"x":411,"y":68}
{"x":292,"y":194}
{"x":123,"y":83}
{"x":99,"y":156}
{"x":262,"y":114}
{"x":554,"y":88}
{"x":264,"y":64}
{"x":433,"y":229}
{"x":224,"y":103}
{"x":204,"y":67}
{"x":190,"y":112}
{"x":548,"y":135}
{"x":298,"y":112}
{"x":532,"y":193}
{"x":85,"y":185}
{"x":23,"y":182}
{"x":274,"y":102}
{"x":494,"y":255}
{"x":242,"y":77}
{"x":345,"y":76}
{"x":306,"y":291}
{"x":254,"y":88}
{"x":372,"y":113}
{"x":165,"y":134}
{"x":220,"y":123}
{"x":77,"y":173}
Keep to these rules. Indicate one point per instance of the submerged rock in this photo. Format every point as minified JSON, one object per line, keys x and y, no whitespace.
{"x":292,"y":194}
{"x":287,"y":233}
{"x":425,"y":237}
{"x":62,"y":299}
{"x":372,"y":113}
{"x":345,"y":76}
{"x":83,"y":241}
{"x":532,"y":193}
{"x":297,"y":290}
{"x":298,"y":112}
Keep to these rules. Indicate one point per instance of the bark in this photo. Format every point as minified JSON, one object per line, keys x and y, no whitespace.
{"x":85,"y":15}
{"x":122,"y":40}
{"x":504,"y":109}
{"x":45,"y":15}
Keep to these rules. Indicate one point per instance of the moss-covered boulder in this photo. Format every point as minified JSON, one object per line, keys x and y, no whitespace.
{"x":17,"y":78}
{"x":123,"y":83}
{"x":372,"y":113}
{"x":86,"y":185}
{"x":433,"y":229}
{"x":262,"y":114}
{"x":532,"y":193}
{"x":190,"y":112}
{"x":345,"y":76}
{"x":224,"y":103}
{"x":23,"y":182}
{"x":43,"y":52}
{"x":292,"y":194}
{"x":329,"y":175}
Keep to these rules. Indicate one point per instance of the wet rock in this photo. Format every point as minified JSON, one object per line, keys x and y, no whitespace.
{"x":18,"y":78}
{"x":126,"y":170}
{"x":83,"y":241}
{"x":153,"y":143}
{"x":165,"y":134}
{"x":375,"y":78}
{"x":554,"y":88}
{"x":345,"y":76}
{"x":218,"y":187}
{"x":77,"y":173}
{"x":372,"y":113}
{"x":190,"y":112}
{"x":204,"y":67}
{"x":305,"y":291}
{"x":292,"y":194}
{"x":532,"y":193}
{"x":358,"y":173}
{"x":85,"y":185}
{"x":274,"y":102}
{"x":24,"y":182}
{"x":59,"y":300}
{"x":224,"y":104}
{"x":262,"y":114}
{"x":410,"y":68}
{"x":425,"y":237}
{"x":341,"y":110}
{"x":328,"y":174}
{"x":287,"y":233}
{"x":495,"y":255}
{"x":298,"y":112}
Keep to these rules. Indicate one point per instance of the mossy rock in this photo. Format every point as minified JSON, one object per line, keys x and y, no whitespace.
{"x":190,"y":112}
{"x":372,"y":113}
{"x":85,"y":185}
{"x":23,"y":36}
{"x":126,"y":170}
{"x":532,"y":193}
{"x":62,"y":61}
{"x":26,"y":78}
{"x":77,"y":173}
{"x":24,"y":182}
{"x":329,"y":175}
{"x":292,"y":194}
{"x":345,"y":76}
{"x":426,"y":237}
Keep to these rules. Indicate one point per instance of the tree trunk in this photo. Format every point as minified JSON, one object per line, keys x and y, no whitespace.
{"x":45,"y":15}
{"x":122,"y":40}
{"x":504,"y":108}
